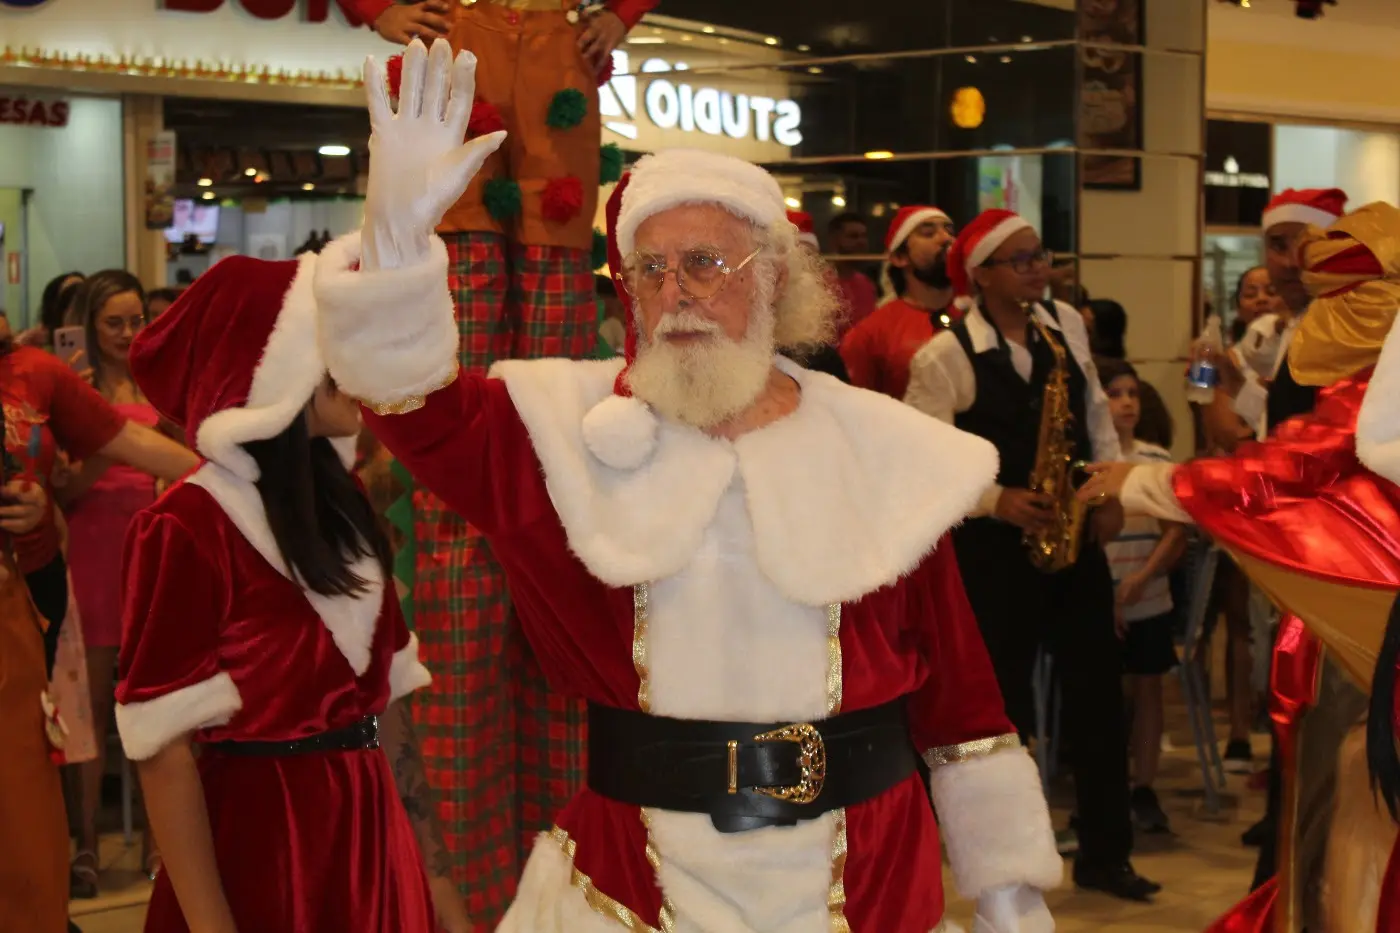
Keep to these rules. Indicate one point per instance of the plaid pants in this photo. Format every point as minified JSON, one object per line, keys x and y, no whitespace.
{"x":503,"y":753}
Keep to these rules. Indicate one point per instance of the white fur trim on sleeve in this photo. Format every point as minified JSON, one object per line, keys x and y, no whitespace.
{"x":995,"y":823}
{"x":1378,"y":423}
{"x":387,"y":336}
{"x":406,"y":672}
{"x":147,"y":727}
{"x":1148,"y":491}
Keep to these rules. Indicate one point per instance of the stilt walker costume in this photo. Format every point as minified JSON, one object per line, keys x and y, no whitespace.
{"x":764,"y":630}
{"x":502,"y":752}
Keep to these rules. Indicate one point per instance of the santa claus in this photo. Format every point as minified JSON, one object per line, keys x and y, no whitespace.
{"x":738,"y":563}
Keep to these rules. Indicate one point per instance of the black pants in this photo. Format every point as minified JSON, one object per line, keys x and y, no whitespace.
{"x":1020,"y":609}
{"x":48,"y":587}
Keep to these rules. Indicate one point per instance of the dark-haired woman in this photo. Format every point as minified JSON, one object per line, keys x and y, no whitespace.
{"x":54,"y":304}
{"x":261,"y":623}
{"x":1312,"y":515}
{"x":100,"y":500}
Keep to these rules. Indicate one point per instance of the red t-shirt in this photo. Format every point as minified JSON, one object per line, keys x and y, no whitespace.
{"x":877,"y":351}
{"x":48,"y":407}
{"x":858,"y":297}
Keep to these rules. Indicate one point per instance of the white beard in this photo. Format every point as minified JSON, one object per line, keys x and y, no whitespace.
{"x":706,"y":382}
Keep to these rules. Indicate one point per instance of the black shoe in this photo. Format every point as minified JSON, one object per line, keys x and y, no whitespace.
{"x":1238,"y":757}
{"x":1117,"y":880}
{"x":73,"y":927}
{"x":1258,"y":834}
{"x":1148,"y":814}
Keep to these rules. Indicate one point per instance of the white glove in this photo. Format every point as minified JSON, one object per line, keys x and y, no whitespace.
{"x":418,"y":165}
{"x":1013,"y":909}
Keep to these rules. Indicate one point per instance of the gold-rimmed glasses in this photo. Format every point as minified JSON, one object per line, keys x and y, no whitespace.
{"x":701,"y":273}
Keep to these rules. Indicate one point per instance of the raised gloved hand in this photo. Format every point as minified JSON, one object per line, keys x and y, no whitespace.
{"x":419,"y":165}
{"x":1013,"y":909}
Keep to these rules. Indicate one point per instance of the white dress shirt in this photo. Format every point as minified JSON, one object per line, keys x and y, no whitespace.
{"x":1252,"y":402}
{"x":943,"y":384}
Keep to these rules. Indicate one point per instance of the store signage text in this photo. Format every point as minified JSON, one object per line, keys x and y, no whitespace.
{"x":1232,"y":177}
{"x":317,"y":11}
{"x":21,"y":110}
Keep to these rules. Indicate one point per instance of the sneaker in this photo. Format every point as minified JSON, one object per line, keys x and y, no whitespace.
{"x":1238,"y":758}
{"x":1118,"y":880}
{"x":1067,"y":841}
{"x":1148,"y":814}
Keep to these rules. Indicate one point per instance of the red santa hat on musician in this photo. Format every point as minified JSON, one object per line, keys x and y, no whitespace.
{"x":976,"y":243}
{"x":235,"y":359}
{"x":906,"y":220}
{"x":806,"y":229}
{"x":620,"y":430}
{"x":1319,"y":207}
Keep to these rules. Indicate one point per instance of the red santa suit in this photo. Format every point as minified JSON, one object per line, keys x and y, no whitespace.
{"x":791,"y":576}
{"x":221,"y":641}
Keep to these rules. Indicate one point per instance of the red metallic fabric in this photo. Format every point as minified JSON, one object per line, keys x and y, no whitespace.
{"x":1254,"y":914}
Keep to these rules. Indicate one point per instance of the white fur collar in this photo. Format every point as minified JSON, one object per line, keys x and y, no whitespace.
{"x":846,"y":495}
{"x":350,"y":619}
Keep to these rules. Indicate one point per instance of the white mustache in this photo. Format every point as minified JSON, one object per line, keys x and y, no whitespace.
{"x":686,"y":322}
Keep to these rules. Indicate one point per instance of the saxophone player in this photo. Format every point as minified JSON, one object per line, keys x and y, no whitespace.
{"x":1017,"y":371}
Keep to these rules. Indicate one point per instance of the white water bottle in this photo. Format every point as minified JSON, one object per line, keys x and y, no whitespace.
{"x":1204,"y":374}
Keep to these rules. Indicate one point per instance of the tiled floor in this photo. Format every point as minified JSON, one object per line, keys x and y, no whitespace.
{"x":1203,"y":867}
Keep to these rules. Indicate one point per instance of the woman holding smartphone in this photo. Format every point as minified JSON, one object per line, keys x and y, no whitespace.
{"x":261,"y":622}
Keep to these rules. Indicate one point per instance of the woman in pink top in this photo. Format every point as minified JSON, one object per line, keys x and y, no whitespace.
{"x":100,"y":500}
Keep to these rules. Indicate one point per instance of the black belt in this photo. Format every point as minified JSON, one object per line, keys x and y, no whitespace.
{"x":360,"y":736}
{"x":748,"y":775}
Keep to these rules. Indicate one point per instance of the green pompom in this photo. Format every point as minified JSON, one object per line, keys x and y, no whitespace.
{"x":502,"y":198}
{"x":567,"y":109}
{"x":610,"y":164}
{"x":600,"y":250}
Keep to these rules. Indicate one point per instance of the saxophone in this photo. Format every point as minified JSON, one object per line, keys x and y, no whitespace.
{"x":1055,"y":469}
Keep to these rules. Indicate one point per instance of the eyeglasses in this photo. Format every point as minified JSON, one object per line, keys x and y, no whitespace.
{"x":1024,"y":262}
{"x":701,"y":273}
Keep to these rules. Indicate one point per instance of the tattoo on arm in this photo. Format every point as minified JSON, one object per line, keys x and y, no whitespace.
{"x":400,"y":741}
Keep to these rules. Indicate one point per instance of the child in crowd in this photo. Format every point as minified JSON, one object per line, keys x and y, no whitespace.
{"x":1141,"y":558}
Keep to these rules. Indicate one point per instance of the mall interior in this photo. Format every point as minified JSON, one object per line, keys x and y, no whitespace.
{"x":1148,"y":143}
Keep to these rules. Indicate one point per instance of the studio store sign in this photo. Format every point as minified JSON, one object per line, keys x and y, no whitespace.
{"x":658,"y":105}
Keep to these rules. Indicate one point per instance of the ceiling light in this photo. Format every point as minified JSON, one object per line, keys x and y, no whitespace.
{"x":793,"y":203}
{"x":259,"y":179}
{"x":879,"y":154}
{"x":838,"y":201}
{"x":1028,"y":38}
{"x":971,"y":59}
{"x":1006,"y":59}
{"x":334,"y":150}
{"x":804,"y":48}
{"x":814,"y":70}
{"x":250,"y":172}
{"x":206,"y":182}
{"x":645,"y":40}
{"x":308,"y":187}
{"x":723,"y":41}
{"x":208,"y":195}
{"x":771,"y":40}
{"x":708,"y":30}
{"x":687,"y":38}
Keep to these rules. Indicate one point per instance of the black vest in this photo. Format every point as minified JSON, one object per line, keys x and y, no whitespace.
{"x":1287,"y":399}
{"x":1006,"y":410}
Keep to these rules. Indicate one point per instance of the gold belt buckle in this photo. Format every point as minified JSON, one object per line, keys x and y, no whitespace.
{"x":811,"y":758}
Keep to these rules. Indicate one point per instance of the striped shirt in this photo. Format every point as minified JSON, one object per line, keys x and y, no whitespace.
{"x":1129,"y":552}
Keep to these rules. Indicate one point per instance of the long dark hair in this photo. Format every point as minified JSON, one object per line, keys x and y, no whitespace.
{"x":320,"y":519}
{"x":57,"y":296}
{"x":1381,"y":757}
{"x":1110,"y":327}
{"x":93,"y":295}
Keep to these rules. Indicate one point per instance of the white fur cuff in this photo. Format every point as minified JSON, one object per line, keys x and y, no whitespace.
{"x":388,"y":336}
{"x":147,"y":727}
{"x":995,"y":823}
{"x":406,"y":672}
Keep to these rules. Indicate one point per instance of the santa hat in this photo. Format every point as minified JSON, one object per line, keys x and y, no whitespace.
{"x":620,"y":430}
{"x":1317,"y":206}
{"x":806,"y":230}
{"x":906,"y":221}
{"x":976,"y":243}
{"x":235,"y":359}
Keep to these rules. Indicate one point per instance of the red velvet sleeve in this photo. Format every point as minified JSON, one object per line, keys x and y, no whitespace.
{"x":631,"y":11}
{"x":364,"y":11}
{"x":468,"y":446}
{"x":174,"y":601}
{"x":959,"y":701}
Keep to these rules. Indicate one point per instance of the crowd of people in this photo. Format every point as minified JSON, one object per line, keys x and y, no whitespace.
{"x":960,"y":476}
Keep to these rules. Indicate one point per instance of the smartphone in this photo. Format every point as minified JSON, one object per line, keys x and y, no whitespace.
{"x":70,"y":345}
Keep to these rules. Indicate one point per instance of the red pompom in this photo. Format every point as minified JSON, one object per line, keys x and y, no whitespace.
{"x":563,"y":199}
{"x":485,"y":119}
{"x":393,"y":70}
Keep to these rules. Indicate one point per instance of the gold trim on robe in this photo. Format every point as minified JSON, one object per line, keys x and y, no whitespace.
{"x":410,"y":404}
{"x":966,"y":751}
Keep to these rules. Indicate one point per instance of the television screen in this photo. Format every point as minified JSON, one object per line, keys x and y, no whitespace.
{"x":194,"y":217}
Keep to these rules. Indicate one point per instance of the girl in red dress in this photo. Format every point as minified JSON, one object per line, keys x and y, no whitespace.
{"x":260,"y":622}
